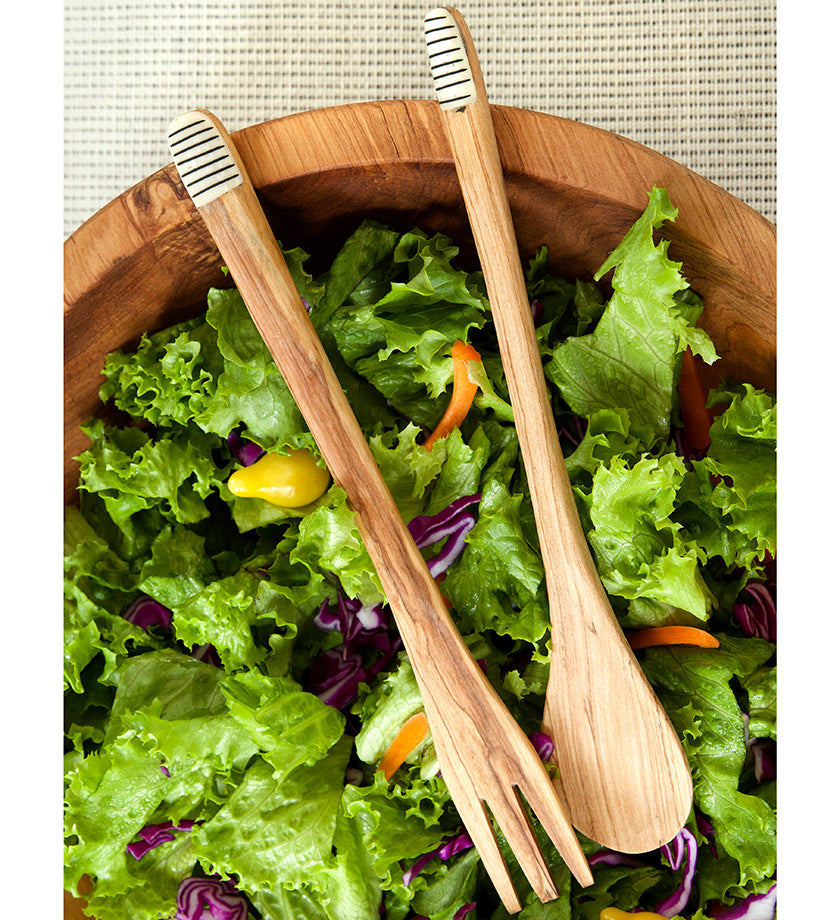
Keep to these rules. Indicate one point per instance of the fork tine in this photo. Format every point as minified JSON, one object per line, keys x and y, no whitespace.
{"x":474,"y":815}
{"x":552,"y":813}
{"x":515,"y":824}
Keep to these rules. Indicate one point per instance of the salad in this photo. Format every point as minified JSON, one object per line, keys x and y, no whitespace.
{"x":244,"y":734}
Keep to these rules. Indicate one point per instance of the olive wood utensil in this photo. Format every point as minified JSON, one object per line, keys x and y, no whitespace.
{"x":485,"y":758}
{"x":623,"y":772}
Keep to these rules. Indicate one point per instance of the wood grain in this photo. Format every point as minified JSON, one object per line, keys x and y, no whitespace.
{"x":146,"y":259}
{"x":597,"y":692}
{"x":484,"y":755}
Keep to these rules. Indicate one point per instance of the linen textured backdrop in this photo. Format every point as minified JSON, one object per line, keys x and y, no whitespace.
{"x":693,"y":79}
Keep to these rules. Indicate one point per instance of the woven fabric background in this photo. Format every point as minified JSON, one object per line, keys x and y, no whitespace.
{"x":693,"y":79}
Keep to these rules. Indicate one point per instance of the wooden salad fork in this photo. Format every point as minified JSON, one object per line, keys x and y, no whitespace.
{"x":485,"y":758}
{"x":623,"y":773}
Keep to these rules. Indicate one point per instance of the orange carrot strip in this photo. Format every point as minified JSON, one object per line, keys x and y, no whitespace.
{"x":408,"y":737}
{"x":696,"y":417}
{"x":672,"y":635}
{"x":463,"y":392}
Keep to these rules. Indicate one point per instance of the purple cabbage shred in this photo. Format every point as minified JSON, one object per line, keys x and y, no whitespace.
{"x":453,"y":524}
{"x":336,"y":673}
{"x":153,"y":835}
{"x":704,"y":825}
{"x":576,"y":433}
{"x":754,"y":907}
{"x":205,"y":898}
{"x":206,"y":653}
{"x":756,"y":614}
{"x":245,"y":451}
{"x":764,"y":759}
{"x":680,"y":852}
{"x":146,"y":612}
{"x":446,"y":850}
{"x":612,"y":858}
{"x":543,"y":744}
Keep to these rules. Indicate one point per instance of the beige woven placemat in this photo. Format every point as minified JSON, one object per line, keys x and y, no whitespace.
{"x":694,"y":79}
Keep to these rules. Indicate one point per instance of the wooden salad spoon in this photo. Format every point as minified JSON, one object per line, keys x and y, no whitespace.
{"x":485,"y":758}
{"x":622,"y":770}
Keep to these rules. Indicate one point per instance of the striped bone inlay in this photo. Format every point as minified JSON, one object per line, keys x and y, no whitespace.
{"x":453,"y":80}
{"x":203,"y":160}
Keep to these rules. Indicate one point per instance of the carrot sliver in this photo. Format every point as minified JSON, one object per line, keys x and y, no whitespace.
{"x":463,"y":393}
{"x":408,"y":737}
{"x":672,"y":635}
{"x":696,"y":417}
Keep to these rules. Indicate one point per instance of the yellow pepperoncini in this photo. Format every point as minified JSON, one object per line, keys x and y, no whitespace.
{"x":288,"y":480}
{"x":613,"y":913}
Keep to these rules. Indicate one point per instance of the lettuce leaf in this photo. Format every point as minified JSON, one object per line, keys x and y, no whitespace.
{"x":399,"y":822}
{"x":639,"y":549}
{"x":509,"y":594}
{"x":286,"y":822}
{"x":694,"y":687}
{"x":729,"y":506}
{"x":631,"y":359}
{"x":400,"y":342}
{"x":290,"y":726}
{"x":111,"y":794}
{"x":98,"y":585}
{"x":134,"y":472}
{"x":384,"y":711}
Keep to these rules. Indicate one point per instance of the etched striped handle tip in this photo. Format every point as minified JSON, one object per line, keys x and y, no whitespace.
{"x":203,"y":156}
{"x":451,"y":72}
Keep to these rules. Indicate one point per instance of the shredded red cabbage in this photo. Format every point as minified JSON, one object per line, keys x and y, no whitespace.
{"x":446,"y":850}
{"x":706,"y":828}
{"x":764,"y":759}
{"x":350,"y":617}
{"x":206,"y":653}
{"x":612,"y":858}
{"x":754,"y":907}
{"x":153,"y":835}
{"x":681,"y":851}
{"x":756,"y":613}
{"x":205,"y":898}
{"x":146,"y":612}
{"x":543,"y":744}
{"x":245,"y":451}
{"x":576,"y":433}
{"x":453,"y":524}
{"x":335,"y":675}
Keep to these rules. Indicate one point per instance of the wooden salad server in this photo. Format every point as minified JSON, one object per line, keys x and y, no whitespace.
{"x":484,"y":756}
{"x":622,"y":770}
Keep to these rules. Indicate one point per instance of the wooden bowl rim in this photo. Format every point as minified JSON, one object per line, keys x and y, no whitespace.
{"x":385,"y":135}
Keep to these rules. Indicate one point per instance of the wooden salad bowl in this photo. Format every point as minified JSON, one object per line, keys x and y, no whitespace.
{"x":146,"y":260}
